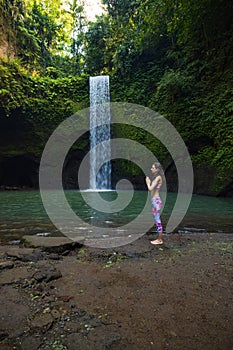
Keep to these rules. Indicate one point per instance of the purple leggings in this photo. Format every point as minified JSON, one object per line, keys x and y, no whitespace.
{"x":156,"y":203}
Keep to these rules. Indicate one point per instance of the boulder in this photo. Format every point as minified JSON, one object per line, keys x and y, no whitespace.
{"x":50,"y":244}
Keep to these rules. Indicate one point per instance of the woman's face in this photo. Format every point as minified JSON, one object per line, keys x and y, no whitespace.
{"x":153,"y":169}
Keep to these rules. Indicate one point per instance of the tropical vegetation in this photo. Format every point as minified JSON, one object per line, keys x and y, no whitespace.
{"x":173,"y":56}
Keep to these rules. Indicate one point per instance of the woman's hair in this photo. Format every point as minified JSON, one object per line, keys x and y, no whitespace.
{"x":158,"y":166}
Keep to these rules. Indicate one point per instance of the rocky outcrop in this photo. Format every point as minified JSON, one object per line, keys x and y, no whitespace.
{"x":50,"y":244}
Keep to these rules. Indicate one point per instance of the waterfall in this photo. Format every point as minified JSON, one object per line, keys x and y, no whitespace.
{"x":99,"y":132}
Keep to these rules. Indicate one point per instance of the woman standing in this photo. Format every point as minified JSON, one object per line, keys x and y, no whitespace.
{"x":156,"y":202}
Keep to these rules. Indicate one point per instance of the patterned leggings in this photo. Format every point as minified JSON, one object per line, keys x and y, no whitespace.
{"x":156,"y":203}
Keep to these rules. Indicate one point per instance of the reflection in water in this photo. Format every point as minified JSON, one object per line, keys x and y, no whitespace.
{"x":23,"y":213}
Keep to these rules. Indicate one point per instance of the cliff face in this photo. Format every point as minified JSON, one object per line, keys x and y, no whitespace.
{"x":7,"y":51}
{"x":7,"y":40}
{"x":4,"y":47}
{"x":21,"y":171}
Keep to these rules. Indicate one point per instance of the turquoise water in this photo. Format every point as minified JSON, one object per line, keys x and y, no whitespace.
{"x":23,"y":213}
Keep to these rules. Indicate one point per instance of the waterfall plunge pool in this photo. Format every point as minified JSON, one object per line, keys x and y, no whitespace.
{"x":23,"y":213}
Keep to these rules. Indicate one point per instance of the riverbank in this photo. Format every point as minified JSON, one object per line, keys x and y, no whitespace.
{"x":134,"y":297}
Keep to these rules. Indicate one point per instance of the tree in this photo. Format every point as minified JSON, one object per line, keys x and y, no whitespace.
{"x":44,"y":28}
{"x":115,"y":35}
{"x":78,"y":27}
{"x":97,"y":54}
{"x":12,"y":15}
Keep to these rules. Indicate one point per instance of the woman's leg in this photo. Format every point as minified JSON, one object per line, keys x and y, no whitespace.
{"x":156,"y":208}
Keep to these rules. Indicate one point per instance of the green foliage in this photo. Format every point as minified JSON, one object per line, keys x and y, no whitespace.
{"x":97,"y":58}
{"x":191,"y":44}
{"x":114,"y":36}
{"x":172,"y":56}
{"x":173,"y":87}
{"x":15,"y":83}
{"x":39,"y":103}
{"x":43,"y":30}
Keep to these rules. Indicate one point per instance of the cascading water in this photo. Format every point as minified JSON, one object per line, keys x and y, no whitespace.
{"x":100,"y":133}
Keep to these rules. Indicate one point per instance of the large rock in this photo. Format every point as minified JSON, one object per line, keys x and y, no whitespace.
{"x":24,"y":254}
{"x":50,"y":244}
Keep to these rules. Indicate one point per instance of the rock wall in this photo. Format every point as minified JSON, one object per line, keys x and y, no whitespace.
{"x":22,"y":172}
{"x":19,"y":172}
{"x":7,"y":50}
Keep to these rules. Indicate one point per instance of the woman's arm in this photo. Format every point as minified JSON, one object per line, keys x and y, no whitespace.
{"x":152,"y":185}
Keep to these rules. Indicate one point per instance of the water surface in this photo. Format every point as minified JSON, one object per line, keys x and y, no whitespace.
{"x":23,"y":213}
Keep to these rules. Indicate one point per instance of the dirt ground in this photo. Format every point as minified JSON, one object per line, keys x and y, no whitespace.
{"x":134,"y":297}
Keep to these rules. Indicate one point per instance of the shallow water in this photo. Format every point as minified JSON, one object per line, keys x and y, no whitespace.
{"x":23,"y":213}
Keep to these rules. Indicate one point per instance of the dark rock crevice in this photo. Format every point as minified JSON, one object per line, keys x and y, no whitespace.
{"x":19,"y":172}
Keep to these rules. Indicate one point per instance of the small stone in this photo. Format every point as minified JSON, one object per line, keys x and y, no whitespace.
{"x":54,"y":256}
{"x":47,"y":275}
{"x":56,"y":314}
{"x":3,"y":335}
{"x":173,"y":333}
{"x":46,"y":310}
{"x":64,"y":298}
{"x":6,"y":265}
{"x":42,"y":320}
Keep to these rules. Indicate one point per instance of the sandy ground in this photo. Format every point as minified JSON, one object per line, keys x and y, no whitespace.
{"x":135,"y":297}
